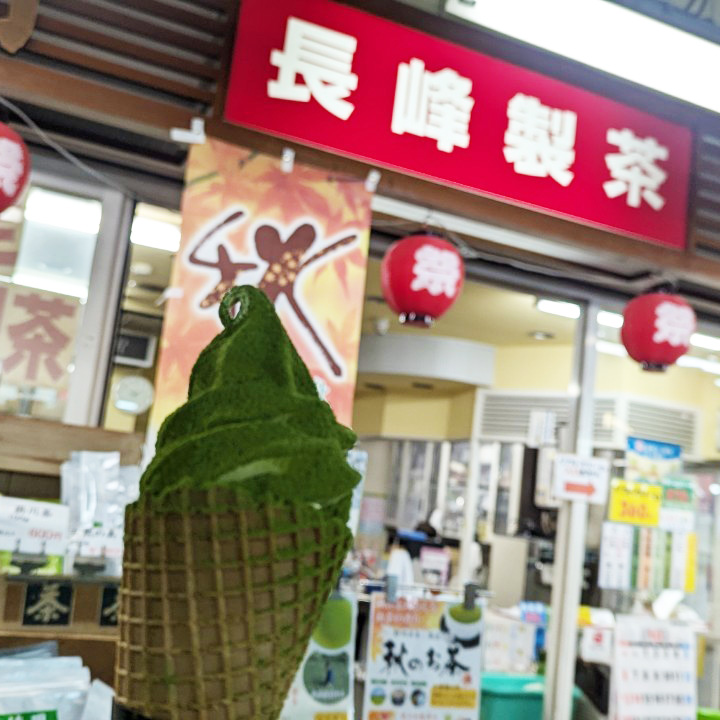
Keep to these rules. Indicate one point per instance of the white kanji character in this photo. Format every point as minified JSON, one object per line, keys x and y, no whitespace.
{"x":324,"y":59}
{"x":12,"y":166}
{"x":436,"y":270}
{"x":633,"y":169}
{"x":540,"y":140}
{"x":674,"y":324}
{"x":434,"y":105}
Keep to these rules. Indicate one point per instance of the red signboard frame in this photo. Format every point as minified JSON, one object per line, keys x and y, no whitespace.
{"x":482,"y":167}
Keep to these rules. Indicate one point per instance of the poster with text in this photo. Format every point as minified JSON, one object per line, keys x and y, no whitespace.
{"x":301,"y":236}
{"x":423,"y":661}
{"x":651,"y":461}
{"x":323,"y":686}
{"x":654,"y":670}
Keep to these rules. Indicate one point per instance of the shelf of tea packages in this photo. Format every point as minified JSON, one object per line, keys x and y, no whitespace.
{"x":63,"y":492}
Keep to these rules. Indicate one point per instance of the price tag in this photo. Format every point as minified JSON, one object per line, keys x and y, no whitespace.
{"x":101,"y":542}
{"x":29,"y":526}
{"x":635,"y":503}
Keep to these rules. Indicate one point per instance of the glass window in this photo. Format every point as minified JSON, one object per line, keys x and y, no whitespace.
{"x":47,"y":246}
{"x":154,"y":241}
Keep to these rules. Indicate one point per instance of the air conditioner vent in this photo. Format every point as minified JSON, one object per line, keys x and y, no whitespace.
{"x":506,"y":416}
{"x":605,"y":420}
{"x":664,"y":424}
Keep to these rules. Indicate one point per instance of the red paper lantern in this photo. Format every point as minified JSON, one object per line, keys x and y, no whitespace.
{"x":14,"y":166}
{"x":657,"y":329}
{"x":421,"y":276}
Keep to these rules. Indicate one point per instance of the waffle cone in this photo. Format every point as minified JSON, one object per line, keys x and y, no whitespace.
{"x":218,"y":603}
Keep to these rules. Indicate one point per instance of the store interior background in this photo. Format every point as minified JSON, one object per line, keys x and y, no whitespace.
{"x":409,"y":422}
{"x":529,"y":338}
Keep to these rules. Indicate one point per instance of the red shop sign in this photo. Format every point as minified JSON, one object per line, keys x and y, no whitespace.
{"x":346,"y":81}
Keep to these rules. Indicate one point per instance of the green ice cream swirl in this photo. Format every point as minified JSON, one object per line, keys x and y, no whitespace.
{"x":253,"y":420}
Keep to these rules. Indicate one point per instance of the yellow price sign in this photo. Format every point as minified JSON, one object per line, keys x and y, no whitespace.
{"x":635,"y":503}
{"x":449,"y":696}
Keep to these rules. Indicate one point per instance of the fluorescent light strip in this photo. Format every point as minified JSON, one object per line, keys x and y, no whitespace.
{"x":610,"y":319}
{"x":687,"y":361}
{"x":63,"y":211}
{"x":707,"y":342}
{"x":610,"y":38}
{"x":155,"y":234}
{"x":708,"y":366}
{"x":558,"y":307}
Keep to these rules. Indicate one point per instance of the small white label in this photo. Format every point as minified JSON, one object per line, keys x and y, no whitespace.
{"x":101,"y":542}
{"x":582,"y":478}
{"x":596,"y":645}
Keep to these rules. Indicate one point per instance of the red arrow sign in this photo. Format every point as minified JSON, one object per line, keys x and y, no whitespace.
{"x":580,"y":489}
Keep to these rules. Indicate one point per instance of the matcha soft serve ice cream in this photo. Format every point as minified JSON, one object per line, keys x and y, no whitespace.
{"x":239,"y":533}
{"x":253,"y":420}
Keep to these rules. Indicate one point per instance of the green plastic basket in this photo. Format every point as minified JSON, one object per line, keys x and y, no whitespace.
{"x":519,"y":697}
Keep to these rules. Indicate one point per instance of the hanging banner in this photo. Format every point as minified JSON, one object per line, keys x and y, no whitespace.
{"x":654,"y":673}
{"x":323,"y":687}
{"x":338,"y":78}
{"x":301,"y":236}
{"x":423,"y":661}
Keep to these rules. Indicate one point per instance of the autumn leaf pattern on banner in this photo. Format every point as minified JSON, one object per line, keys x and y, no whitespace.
{"x":302,"y":237}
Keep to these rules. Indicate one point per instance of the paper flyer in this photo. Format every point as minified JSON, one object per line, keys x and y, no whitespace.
{"x":424,"y":660}
{"x":323,"y":686}
{"x":651,"y":461}
{"x":616,"y":552}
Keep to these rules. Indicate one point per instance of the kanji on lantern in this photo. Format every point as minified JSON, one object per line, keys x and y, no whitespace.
{"x":14,"y":166}
{"x":421,"y":275}
{"x":657,"y":329}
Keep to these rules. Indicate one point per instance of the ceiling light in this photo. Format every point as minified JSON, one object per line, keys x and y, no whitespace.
{"x":707,"y":342}
{"x":559,"y":307}
{"x":155,"y":234}
{"x":541,"y":335}
{"x":68,"y":212}
{"x":707,"y":366}
{"x":610,"y":348}
{"x":586,"y":29}
{"x":141,"y":268}
{"x":610,"y":319}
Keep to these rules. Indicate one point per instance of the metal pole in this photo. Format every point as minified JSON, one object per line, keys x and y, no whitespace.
{"x":467,"y":537}
{"x":570,"y":541}
{"x":443,"y":476}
